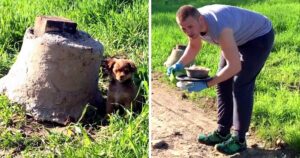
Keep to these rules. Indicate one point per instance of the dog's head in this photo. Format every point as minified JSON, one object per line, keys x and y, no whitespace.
{"x":120,"y":69}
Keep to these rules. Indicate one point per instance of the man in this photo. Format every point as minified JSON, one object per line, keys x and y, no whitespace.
{"x":245,"y":39}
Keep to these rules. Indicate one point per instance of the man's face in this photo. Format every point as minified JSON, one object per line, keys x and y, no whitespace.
{"x":190,"y":26}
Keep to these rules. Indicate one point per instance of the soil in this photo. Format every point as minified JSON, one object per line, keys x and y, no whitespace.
{"x":176,"y":123}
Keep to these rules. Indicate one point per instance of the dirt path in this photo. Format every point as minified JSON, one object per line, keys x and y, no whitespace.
{"x":176,"y":123}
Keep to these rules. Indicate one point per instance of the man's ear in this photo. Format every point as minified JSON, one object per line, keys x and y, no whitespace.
{"x":177,"y":20}
{"x":201,"y":19}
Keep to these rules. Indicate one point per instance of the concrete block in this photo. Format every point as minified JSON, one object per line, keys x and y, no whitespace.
{"x":46,"y":24}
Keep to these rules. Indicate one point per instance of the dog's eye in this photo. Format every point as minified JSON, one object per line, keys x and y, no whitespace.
{"x":126,"y":70}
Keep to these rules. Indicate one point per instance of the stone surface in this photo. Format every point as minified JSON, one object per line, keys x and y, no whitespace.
{"x":55,"y":75}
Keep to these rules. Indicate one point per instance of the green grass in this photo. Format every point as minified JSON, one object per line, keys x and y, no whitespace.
{"x":126,"y":136}
{"x":122,"y":27}
{"x":277,"y":96}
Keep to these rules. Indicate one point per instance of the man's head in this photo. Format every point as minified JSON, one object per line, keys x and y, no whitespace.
{"x":190,"y":21}
{"x":186,"y":11}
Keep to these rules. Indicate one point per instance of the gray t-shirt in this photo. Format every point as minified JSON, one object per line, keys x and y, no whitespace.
{"x":246,"y":25}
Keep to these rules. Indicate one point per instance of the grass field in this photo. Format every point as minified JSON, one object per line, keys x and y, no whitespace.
{"x":122,"y":27}
{"x":277,"y":96}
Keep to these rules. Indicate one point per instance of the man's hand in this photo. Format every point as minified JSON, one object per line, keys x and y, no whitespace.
{"x":176,"y":67}
{"x":192,"y":86}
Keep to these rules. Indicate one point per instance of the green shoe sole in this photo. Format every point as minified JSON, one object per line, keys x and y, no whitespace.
{"x":229,"y":152}
{"x":212,"y":138}
{"x":230,"y":147}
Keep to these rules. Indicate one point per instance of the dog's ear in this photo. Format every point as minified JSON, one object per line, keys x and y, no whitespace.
{"x":109,"y":63}
{"x":132,"y":66}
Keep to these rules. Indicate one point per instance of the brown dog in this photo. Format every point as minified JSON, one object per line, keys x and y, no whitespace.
{"x":121,"y":90}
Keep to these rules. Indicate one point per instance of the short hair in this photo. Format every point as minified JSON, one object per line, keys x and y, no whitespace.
{"x":187,"y":10}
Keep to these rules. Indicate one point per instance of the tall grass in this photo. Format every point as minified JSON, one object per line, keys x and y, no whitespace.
{"x":122,"y":27}
{"x":276,"y":107}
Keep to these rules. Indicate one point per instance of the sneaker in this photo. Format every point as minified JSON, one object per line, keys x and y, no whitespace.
{"x":231,"y":146}
{"x":212,"y":138}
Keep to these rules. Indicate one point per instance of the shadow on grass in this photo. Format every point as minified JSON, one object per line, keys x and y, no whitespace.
{"x":94,"y":117}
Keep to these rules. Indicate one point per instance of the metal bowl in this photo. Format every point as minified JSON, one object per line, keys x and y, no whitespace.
{"x":197,"y":72}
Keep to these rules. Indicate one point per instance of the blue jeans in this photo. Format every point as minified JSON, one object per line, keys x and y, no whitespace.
{"x":235,"y":95}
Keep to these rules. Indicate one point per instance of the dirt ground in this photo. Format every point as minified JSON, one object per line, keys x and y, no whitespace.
{"x":176,"y":123}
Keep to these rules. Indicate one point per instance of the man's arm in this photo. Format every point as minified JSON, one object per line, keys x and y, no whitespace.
{"x":191,"y":51}
{"x":231,"y":55}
